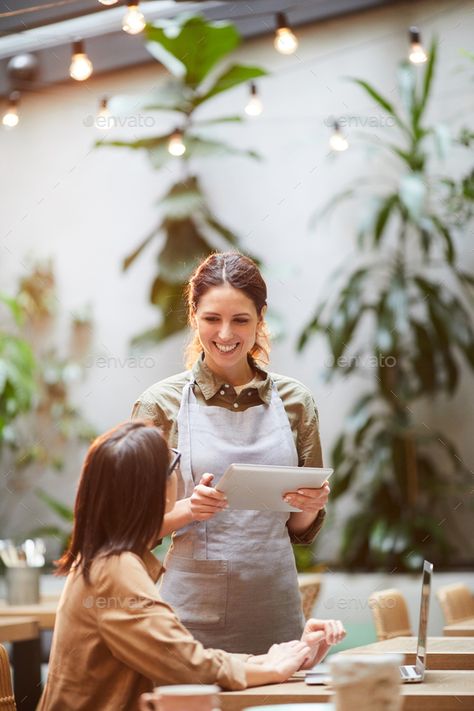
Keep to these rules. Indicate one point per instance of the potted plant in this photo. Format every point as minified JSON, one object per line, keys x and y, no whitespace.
{"x":401,"y":316}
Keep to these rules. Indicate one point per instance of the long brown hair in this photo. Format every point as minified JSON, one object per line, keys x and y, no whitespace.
{"x":120,"y":501}
{"x":240,"y":272}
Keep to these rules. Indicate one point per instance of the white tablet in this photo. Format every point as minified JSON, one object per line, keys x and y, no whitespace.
{"x":260,"y":487}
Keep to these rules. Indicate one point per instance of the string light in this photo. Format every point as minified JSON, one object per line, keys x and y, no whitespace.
{"x":254,"y":106}
{"x":104,"y":119}
{"x":285,"y":41}
{"x":11,"y":118}
{"x":107,"y":2}
{"x":81,"y":66}
{"x":338,"y":142}
{"x":133,"y":21}
{"x":176,"y":145}
{"x":417,"y":53}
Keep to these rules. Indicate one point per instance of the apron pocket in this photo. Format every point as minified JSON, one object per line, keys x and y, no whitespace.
{"x":197,"y":590}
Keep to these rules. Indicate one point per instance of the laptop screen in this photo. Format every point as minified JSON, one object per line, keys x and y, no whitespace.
{"x":424,"y":611}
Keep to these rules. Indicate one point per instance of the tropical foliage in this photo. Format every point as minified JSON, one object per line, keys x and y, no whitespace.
{"x":401,"y":317}
{"x":17,"y":368}
{"x":192,"y":50}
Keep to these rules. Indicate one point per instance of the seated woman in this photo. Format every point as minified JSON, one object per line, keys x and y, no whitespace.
{"x":114,"y":636}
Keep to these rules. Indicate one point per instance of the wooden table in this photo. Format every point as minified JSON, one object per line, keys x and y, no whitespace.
{"x":23,"y":633}
{"x":443,"y":652}
{"x":44,"y":611}
{"x":440,"y":691}
{"x":460,"y":629}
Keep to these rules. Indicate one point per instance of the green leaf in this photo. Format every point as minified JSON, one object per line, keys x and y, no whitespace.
{"x":427,"y":79}
{"x":443,"y":230}
{"x":222,"y":119}
{"x":224,"y":232}
{"x":14,"y":308}
{"x":128,"y":261}
{"x":183,"y":200}
{"x":233,"y":76}
{"x":193,"y":48}
{"x":383,"y":215}
{"x":382,"y":101}
{"x":412,"y":194}
{"x":61,"y":509}
{"x":184,"y":248}
{"x":406,"y":85}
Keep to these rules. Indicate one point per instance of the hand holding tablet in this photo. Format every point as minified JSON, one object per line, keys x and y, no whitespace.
{"x":261,"y":487}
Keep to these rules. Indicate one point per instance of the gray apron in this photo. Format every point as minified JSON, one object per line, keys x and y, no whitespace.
{"x":232,"y":579}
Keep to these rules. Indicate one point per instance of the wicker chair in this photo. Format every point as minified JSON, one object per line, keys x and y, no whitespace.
{"x":457,"y":602}
{"x":309,"y":585}
{"x":7,"y":700}
{"x":390,"y":614}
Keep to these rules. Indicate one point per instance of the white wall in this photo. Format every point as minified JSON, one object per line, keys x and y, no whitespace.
{"x":88,"y":208}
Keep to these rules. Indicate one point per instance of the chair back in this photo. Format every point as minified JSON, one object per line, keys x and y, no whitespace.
{"x":309,"y":585}
{"x":7,"y":700}
{"x":457,"y":602}
{"x":390,"y":613}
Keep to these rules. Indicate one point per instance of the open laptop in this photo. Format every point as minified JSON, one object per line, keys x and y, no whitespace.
{"x":408,"y":672}
{"x":416,"y":672}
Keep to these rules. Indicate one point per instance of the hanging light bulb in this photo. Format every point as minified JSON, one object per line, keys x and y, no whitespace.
{"x":176,"y":144}
{"x":81,"y":66}
{"x":104,"y":119}
{"x":107,"y":2}
{"x":133,"y":21}
{"x":285,"y":41}
{"x":254,"y":105}
{"x":417,"y":53}
{"x":10,"y":118}
{"x":338,"y":142}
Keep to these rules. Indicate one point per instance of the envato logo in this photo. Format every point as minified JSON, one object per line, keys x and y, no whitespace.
{"x":358,"y":603}
{"x":106,"y":123}
{"x":116,"y":603}
{"x":372,"y":121}
{"x":367,"y":361}
{"x":114,"y":362}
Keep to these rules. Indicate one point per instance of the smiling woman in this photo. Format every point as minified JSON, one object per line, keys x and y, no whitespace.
{"x":231,"y":574}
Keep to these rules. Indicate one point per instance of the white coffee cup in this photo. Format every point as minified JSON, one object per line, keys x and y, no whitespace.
{"x":185,"y":697}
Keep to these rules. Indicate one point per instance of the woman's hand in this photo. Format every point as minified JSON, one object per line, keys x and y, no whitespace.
{"x":320,"y":635}
{"x":205,"y":501}
{"x":309,"y":500}
{"x":286,"y":658}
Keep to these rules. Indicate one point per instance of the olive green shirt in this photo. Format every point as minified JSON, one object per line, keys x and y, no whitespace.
{"x":161,"y":402}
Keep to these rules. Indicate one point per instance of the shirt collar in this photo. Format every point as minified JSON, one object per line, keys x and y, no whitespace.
{"x":209,"y":383}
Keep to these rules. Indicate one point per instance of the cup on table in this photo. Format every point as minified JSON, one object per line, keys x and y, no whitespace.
{"x":185,"y":697}
{"x":23,"y":585}
{"x":367,"y":681}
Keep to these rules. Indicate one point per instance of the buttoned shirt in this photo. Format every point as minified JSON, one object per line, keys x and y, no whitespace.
{"x":160,"y":403}
{"x":115,"y":638}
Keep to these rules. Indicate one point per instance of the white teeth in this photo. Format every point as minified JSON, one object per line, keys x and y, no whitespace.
{"x":225,"y":349}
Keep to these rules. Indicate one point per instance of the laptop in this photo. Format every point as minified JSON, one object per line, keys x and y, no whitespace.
{"x":409,"y":673}
{"x":416,"y":672}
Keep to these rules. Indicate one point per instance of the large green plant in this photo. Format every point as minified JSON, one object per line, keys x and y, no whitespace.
{"x":17,"y":369}
{"x":401,"y":315}
{"x":190,"y":48}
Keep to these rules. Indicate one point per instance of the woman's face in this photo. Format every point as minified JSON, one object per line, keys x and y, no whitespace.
{"x":226,"y":322}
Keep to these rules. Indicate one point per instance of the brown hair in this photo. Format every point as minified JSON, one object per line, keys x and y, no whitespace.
{"x":120,"y":501}
{"x":240,"y":272}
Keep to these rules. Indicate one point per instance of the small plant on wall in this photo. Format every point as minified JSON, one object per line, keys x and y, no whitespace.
{"x":405,"y":308}
{"x":48,"y":428}
{"x":192,"y":50}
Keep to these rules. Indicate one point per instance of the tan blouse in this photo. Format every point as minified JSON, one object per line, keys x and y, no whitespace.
{"x":116,"y":638}
{"x":161,"y":402}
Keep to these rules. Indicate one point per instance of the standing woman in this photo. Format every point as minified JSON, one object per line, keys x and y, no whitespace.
{"x":231,"y":575}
